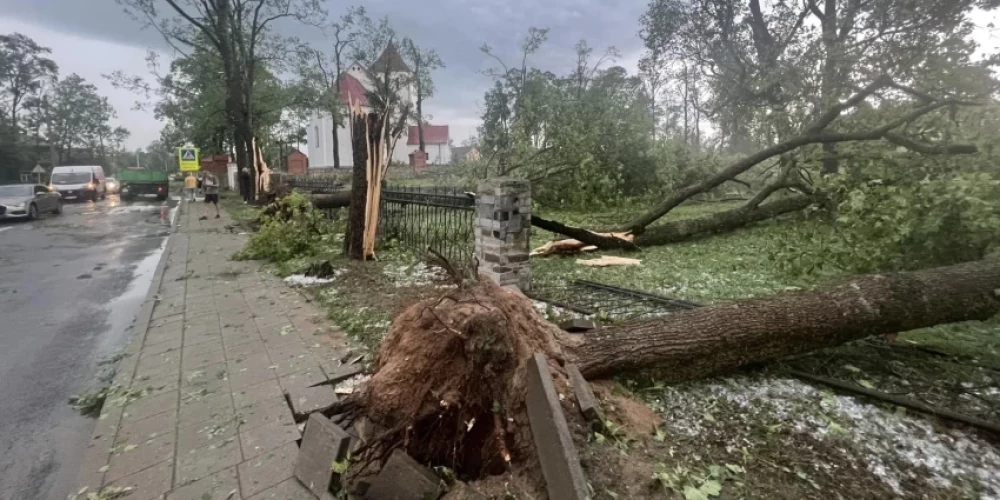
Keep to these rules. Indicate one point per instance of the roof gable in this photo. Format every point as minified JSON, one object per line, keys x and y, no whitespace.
{"x":391,"y":57}
{"x":351,"y":89}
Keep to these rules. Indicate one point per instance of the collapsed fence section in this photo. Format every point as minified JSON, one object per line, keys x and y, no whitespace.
{"x":439,"y":218}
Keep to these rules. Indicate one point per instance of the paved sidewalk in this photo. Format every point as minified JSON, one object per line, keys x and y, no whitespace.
{"x":217,"y":347}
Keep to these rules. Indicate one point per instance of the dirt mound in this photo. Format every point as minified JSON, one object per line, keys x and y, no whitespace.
{"x":449,"y":380}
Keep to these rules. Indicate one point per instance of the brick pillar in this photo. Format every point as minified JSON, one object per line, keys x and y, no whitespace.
{"x":503,"y":230}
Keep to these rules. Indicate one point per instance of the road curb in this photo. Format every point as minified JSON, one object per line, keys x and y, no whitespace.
{"x":125,"y":373}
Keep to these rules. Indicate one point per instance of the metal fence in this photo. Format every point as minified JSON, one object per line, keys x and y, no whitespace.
{"x":418,"y":218}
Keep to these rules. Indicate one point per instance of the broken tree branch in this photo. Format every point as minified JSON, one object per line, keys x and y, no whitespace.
{"x":583,"y":235}
{"x":813,"y":134}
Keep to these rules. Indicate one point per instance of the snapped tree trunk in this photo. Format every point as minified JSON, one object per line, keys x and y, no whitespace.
{"x":354,"y":237}
{"x":712,"y":339}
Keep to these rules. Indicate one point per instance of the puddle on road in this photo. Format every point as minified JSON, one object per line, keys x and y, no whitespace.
{"x":123,"y":309}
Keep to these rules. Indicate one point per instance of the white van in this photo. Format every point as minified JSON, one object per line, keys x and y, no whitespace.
{"x":79,"y":183}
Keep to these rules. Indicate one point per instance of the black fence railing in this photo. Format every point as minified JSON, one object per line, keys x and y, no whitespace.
{"x":418,"y":218}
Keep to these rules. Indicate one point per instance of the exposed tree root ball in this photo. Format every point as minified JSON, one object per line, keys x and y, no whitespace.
{"x":449,"y":380}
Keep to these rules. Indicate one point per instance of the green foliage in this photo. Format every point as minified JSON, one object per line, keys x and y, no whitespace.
{"x":934,"y":216}
{"x":584,"y":139}
{"x":698,"y":484}
{"x":295,"y":230}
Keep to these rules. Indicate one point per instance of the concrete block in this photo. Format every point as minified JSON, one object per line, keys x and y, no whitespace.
{"x":564,"y":479}
{"x":343,"y":373}
{"x":323,"y":444}
{"x":308,"y":400}
{"x":403,"y":478}
{"x":589,"y":406}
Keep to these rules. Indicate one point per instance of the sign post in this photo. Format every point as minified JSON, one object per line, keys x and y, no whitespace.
{"x":187,"y":158}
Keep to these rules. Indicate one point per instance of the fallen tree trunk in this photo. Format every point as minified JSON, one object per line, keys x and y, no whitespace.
{"x":339,"y":199}
{"x":712,"y":339}
{"x":680,"y":230}
{"x":450,"y":377}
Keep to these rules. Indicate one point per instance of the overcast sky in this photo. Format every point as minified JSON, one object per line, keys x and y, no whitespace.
{"x":94,"y":37}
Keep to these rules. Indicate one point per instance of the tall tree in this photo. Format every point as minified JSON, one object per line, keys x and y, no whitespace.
{"x":241,"y":33}
{"x":78,"y":118}
{"x":321,"y":73}
{"x":24,"y":70}
{"x":424,"y":63}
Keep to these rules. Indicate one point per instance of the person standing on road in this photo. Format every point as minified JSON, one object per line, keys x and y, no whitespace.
{"x":245,"y":185}
{"x":211,"y":185}
{"x":190,"y":184}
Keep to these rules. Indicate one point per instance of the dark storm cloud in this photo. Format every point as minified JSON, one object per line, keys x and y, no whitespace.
{"x":455,"y":28}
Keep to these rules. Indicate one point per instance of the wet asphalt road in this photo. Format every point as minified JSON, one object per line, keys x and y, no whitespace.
{"x":70,"y":287}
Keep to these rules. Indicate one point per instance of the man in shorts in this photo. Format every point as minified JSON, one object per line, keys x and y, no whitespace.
{"x":210,"y":183}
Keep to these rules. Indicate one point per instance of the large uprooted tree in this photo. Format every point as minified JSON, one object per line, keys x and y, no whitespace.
{"x":449,"y":380}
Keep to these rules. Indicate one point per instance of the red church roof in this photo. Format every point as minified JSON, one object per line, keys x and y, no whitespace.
{"x":352,"y":89}
{"x":433,"y":134}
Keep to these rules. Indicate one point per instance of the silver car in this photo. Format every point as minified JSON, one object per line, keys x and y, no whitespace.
{"x":26,"y":201}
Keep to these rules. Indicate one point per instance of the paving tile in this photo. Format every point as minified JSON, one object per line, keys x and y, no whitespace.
{"x":164,"y":309}
{"x":154,"y":386}
{"x":233,"y":338}
{"x":273,"y":340}
{"x":267,"y":469}
{"x":197,"y":338}
{"x":163,"y":366}
{"x":249,"y":373}
{"x":291,"y":357}
{"x":195,"y":305}
{"x":207,"y":460}
{"x":218,"y":486}
{"x":238,"y":352}
{"x":134,"y":457}
{"x":276,"y":329}
{"x":269,"y":320}
{"x":197,"y":410}
{"x":140,"y":431}
{"x":199,"y":376}
{"x":257,"y":440}
{"x":289,"y":489}
{"x":302,"y":379}
{"x":150,"y":483}
{"x":172,"y":349}
{"x":257,"y":393}
{"x":207,"y":346}
{"x":266,"y":412}
{"x":160,"y":334}
{"x":168,"y":346}
{"x":167,"y":322}
{"x":213,"y":431}
{"x":150,"y":405}
{"x":208,"y":323}
{"x":195,"y":358}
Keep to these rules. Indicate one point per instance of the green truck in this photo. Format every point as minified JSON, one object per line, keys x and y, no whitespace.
{"x":139,"y":181}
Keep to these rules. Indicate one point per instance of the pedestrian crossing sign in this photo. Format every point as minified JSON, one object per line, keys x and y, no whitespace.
{"x":188,"y":159}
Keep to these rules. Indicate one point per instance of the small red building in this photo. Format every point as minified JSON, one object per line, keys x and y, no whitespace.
{"x":297,"y":162}
{"x":218,"y":165}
